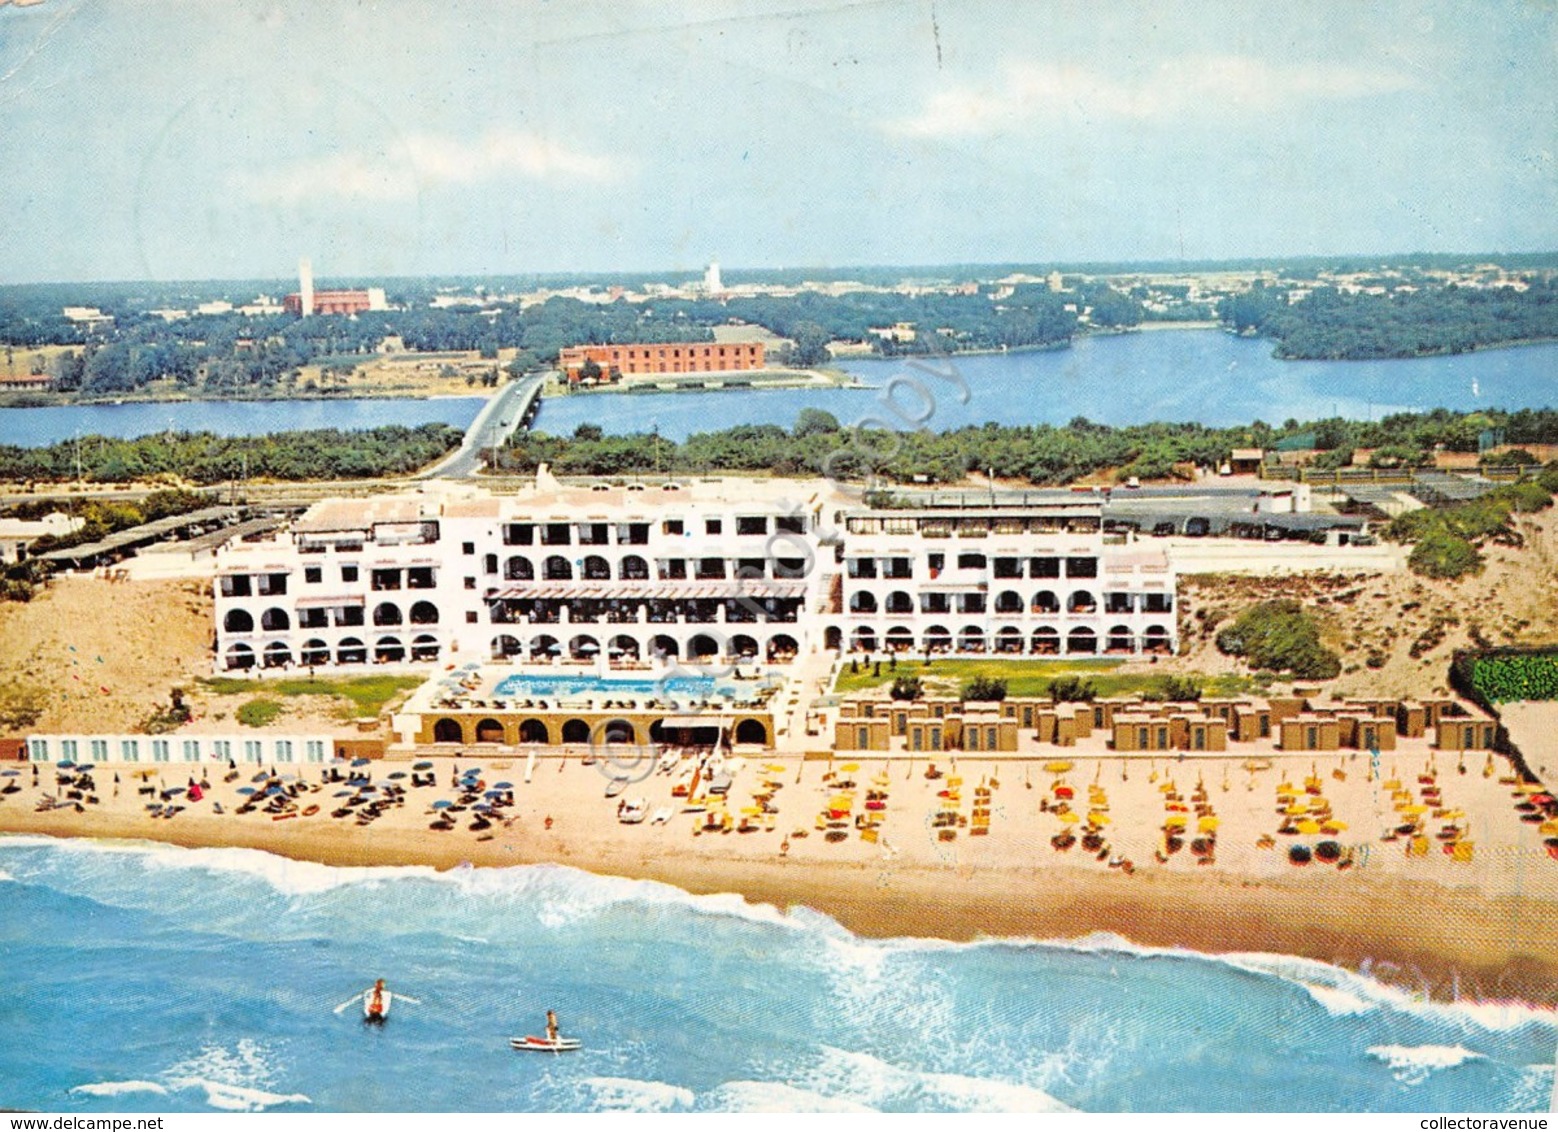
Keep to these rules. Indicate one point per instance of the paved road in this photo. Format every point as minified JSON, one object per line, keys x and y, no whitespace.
{"x":493,"y":425}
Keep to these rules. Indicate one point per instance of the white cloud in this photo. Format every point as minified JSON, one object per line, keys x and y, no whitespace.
{"x":423,"y":161}
{"x":1205,"y":85}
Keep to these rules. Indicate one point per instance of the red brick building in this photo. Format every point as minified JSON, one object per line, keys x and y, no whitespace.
{"x":331,"y":302}
{"x":663,"y":357}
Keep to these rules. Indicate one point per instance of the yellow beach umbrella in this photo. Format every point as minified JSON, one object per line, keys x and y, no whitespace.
{"x":1176,"y":820}
{"x":1334,"y":827}
{"x":1296,"y":808}
{"x":751,"y":811}
{"x":1308,"y":826}
{"x":850,"y":768}
{"x":774,"y":768}
{"x":1057,"y":767}
{"x":1208,"y":824}
{"x":1070,"y":817}
{"x":1098,"y":819}
{"x":1415,"y":811}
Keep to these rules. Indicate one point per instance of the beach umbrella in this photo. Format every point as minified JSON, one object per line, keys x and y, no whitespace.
{"x":503,"y":786}
{"x":1178,"y":821}
{"x":9,"y":773}
{"x":246,"y":790}
{"x":359,"y":762}
{"x":66,"y":765}
{"x":342,"y":794}
{"x":442,"y":804}
{"x":424,"y":765}
{"x":1208,"y":824}
{"x":1070,"y":817}
{"x":1057,"y":767}
{"x":398,"y":774}
{"x":1098,"y":818}
{"x":493,"y":794}
{"x":1308,"y":826}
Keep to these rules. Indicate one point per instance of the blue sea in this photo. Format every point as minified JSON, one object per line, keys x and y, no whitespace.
{"x":141,"y":977}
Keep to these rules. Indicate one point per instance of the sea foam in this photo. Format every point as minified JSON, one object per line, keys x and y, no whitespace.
{"x":1413,"y":1064}
{"x":119,"y":1088}
{"x":628,"y":1094}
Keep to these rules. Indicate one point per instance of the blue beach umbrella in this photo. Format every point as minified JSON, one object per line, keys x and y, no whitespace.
{"x":261,"y":777}
{"x":246,"y":790}
{"x":442,"y":804}
{"x":359,"y":762}
{"x":422,"y":766}
{"x":503,"y":786}
{"x":9,"y":773}
{"x":399,"y":774}
{"x":342,"y":794}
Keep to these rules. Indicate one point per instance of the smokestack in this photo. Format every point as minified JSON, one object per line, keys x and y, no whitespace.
{"x":306,"y":286}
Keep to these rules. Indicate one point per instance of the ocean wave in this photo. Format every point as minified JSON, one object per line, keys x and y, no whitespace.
{"x":240,"y":1098}
{"x":1340,"y":991}
{"x":871,"y":1081}
{"x":564,"y":894}
{"x":1413,"y":1064}
{"x":239,"y":1079}
{"x":1337,"y":990}
{"x":628,"y":1094}
{"x":772,"y":1096}
{"x":119,"y":1088}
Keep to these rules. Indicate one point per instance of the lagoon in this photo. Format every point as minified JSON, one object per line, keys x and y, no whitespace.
{"x":1183,"y":375}
{"x":31,"y":428}
{"x":1122,"y":379}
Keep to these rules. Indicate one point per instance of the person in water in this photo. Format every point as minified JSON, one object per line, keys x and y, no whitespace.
{"x":376,"y":1000}
{"x":551,"y":1025}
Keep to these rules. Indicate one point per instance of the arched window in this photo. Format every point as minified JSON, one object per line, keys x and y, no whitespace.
{"x":558,"y":569}
{"x":386,"y":613}
{"x":519,"y":569}
{"x":275,"y":620}
{"x":238,"y":621}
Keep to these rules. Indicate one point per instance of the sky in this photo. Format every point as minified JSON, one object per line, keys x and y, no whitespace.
{"x":182,"y":139}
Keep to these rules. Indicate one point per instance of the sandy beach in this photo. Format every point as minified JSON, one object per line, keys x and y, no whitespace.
{"x":1435,"y":924}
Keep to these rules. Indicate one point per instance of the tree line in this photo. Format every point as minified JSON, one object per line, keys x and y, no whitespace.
{"x":1041,"y":454}
{"x":206,"y":458}
{"x":1328,"y":324}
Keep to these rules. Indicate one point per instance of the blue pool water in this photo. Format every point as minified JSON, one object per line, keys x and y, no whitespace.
{"x":141,"y":977}
{"x":528,"y":684}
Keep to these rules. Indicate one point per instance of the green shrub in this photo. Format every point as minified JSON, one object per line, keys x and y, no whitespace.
{"x":258,"y":713}
{"x":1283,"y":637}
{"x":1444,"y":555}
{"x":984,"y":688}
{"x":1503,"y":678}
{"x":1071,"y":690}
{"x":907,"y":687}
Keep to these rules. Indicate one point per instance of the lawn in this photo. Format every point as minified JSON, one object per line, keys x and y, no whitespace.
{"x":1030,"y":677}
{"x":363,"y":696}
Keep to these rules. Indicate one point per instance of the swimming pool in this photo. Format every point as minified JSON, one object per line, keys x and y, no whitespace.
{"x":541,"y":684}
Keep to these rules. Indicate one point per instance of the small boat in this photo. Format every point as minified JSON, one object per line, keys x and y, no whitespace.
{"x":615,"y":787}
{"x":545,"y":1045}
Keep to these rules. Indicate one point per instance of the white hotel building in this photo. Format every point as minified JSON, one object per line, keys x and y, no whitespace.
{"x":707,"y":569}
{"x":687,"y":570}
{"x":961,"y":573}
